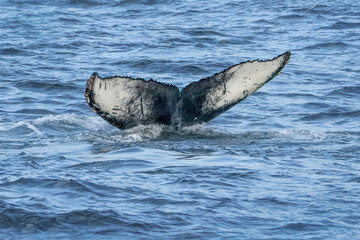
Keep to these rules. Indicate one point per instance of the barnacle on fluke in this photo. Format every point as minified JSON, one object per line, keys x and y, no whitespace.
{"x":126,"y":102}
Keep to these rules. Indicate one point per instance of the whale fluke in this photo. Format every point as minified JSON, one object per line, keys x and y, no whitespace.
{"x":126,"y":102}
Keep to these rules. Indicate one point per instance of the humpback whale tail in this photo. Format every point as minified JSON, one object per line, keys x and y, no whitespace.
{"x":127,"y":102}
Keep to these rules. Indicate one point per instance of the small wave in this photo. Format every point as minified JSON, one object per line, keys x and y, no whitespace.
{"x":221,"y":176}
{"x":291,"y":16}
{"x":47,"y":183}
{"x":71,"y":186}
{"x":354,"y":179}
{"x":330,"y":45}
{"x":162,"y":201}
{"x":316,"y":9}
{"x":274,"y":200}
{"x":141,"y":2}
{"x":151,"y":65}
{"x":90,"y":217}
{"x":331,"y":114}
{"x":70,"y":20}
{"x":53,"y":85}
{"x":344,"y":25}
{"x":85,"y":2}
{"x":61,"y":123}
{"x":113,"y":164}
{"x":84,"y":121}
{"x":316,"y":105}
{"x":29,"y":222}
{"x":300,"y":227}
{"x":190,"y":69}
{"x":11,"y":51}
{"x":348,"y":91}
{"x":34,"y":111}
{"x":27,"y":125}
{"x":296,"y":94}
{"x":203,"y":32}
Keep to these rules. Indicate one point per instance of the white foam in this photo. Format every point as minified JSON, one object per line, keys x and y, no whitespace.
{"x":137,"y":134}
{"x":30,"y":126}
{"x":88,"y":122}
{"x":40,"y":125}
{"x":303,"y":135}
{"x":194,"y":128}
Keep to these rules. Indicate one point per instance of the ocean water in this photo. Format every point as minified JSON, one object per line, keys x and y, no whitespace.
{"x":282,"y":164}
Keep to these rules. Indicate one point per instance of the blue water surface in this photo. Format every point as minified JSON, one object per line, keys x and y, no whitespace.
{"x":282,"y":164}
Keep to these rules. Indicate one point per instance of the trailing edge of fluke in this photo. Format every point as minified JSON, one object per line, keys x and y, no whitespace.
{"x":126,"y":102}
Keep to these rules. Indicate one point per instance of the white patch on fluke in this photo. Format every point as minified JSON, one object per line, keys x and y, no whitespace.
{"x":243,"y":80}
{"x":109,"y":92}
